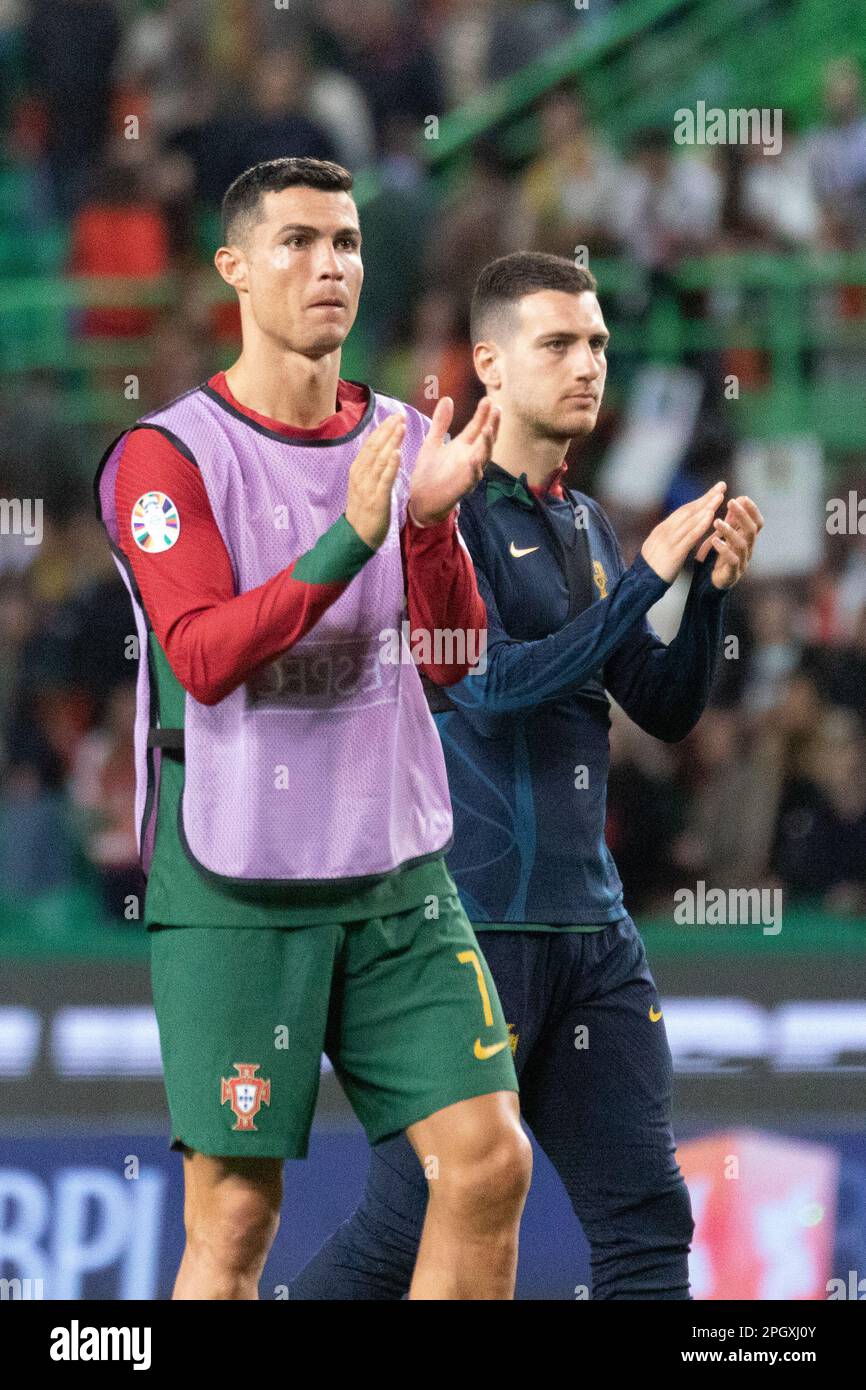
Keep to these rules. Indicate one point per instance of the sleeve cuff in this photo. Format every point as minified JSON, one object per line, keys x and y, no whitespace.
{"x":646,"y":574}
{"x":337,"y":556}
{"x":703,"y":580}
{"x":434,"y":529}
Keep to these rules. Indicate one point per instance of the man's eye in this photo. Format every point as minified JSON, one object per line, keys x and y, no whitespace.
{"x":350,"y":242}
{"x":556,"y":344}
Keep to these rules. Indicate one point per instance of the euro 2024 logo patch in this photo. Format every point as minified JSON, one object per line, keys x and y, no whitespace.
{"x":155,"y":522}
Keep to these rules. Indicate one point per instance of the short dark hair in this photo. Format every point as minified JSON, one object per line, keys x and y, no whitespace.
{"x":241,"y":201}
{"x":506,"y":280}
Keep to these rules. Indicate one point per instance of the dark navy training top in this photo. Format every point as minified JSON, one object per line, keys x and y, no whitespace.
{"x":526,"y":743}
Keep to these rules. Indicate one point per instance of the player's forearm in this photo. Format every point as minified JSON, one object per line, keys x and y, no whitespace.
{"x":214,"y":649}
{"x":693,"y":658}
{"x":664,"y":689}
{"x":443,"y":597}
{"x":522,"y":675}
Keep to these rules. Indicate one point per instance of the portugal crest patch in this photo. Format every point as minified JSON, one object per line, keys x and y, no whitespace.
{"x":246,"y":1093}
{"x":600,"y":578}
{"x":155,"y":522}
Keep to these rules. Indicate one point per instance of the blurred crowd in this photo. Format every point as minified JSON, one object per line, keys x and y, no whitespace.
{"x":768,"y":790}
{"x":128,"y":120}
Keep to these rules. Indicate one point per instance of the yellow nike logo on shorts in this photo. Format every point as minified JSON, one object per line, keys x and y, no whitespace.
{"x":654,"y":1016}
{"x":482,"y":1052}
{"x":512,"y":550}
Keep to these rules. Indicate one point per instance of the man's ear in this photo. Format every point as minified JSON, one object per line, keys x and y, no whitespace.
{"x":232,"y":266}
{"x":485,"y":358}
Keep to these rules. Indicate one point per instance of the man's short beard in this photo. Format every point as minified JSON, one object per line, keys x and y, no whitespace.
{"x":324,"y":348}
{"x":546,"y":429}
{"x":320,"y":347}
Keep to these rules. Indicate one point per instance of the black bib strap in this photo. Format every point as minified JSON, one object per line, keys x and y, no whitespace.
{"x":165,"y":738}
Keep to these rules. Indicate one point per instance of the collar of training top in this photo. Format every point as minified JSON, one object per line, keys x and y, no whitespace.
{"x":500,"y":483}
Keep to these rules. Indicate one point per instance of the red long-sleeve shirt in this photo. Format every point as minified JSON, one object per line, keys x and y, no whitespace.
{"x":214,"y":638}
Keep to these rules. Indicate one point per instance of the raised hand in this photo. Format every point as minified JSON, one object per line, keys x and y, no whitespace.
{"x":669,"y":544}
{"x":734,"y":541}
{"x":444,"y":472}
{"x":371,"y":478}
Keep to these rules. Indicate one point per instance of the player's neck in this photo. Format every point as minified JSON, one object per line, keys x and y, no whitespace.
{"x":518,"y":451}
{"x":293,"y":389}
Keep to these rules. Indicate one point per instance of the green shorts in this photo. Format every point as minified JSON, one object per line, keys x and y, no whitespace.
{"x":404,"y":1006}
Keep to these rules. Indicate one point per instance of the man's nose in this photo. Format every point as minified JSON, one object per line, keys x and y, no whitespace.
{"x":328,"y":262}
{"x":587,"y":366}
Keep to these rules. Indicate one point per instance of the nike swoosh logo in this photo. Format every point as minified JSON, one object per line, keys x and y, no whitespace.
{"x":654,"y":1017}
{"x":482,"y":1052}
{"x":512,"y":550}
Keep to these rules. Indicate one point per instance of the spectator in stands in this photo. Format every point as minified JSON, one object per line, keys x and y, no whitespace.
{"x":668,"y":203}
{"x":18,"y":619}
{"x":463,"y":48}
{"x":769,"y":200}
{"x":163,"y":51}
{"x":42,"y":453}
{"x":121,"y":231}
{"x":476,"y":223}
{"x":95,"y":644}
{"x":70,"y":47}
{"x":240,"y":127}
{"x":288,"y":85}
{"x":568,"y":193}
{"x":36,"y":843}
{"x":842,"y":668}
{"x":381,"y":44}
{"x":838,"y":155}
{"x":483,"y":41}
{"x":524,"y":30}
{"x":820,"y":846}
{"x":102,"y":789}
{"x":776,"y":650}
{"x":734,"y":774}
{"x":837,"y":588}
{"x":167,"y":177}
{"x":398,"y":227}
{"x":851,"y":589}
{"x":180,"y":359}
{"x":440,"y":363}
{"x":206,"y":134}
{"x":736,"y":770}
{"x":277,"y":120}
{"x":336,"y":102}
